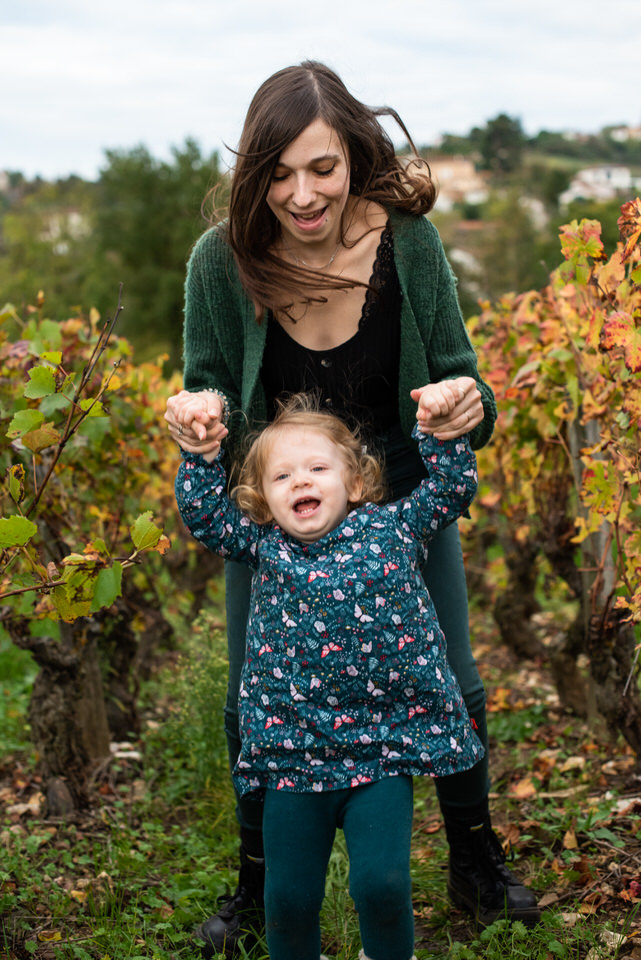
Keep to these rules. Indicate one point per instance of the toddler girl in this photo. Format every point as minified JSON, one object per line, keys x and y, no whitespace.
{"x":346,"y":691}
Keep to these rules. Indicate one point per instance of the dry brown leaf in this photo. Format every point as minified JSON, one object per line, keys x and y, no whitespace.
{"x":522,"y":789}
{"x":572,"y":763}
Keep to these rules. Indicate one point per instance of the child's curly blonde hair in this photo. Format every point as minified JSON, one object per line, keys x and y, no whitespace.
{"x":301,"y":410}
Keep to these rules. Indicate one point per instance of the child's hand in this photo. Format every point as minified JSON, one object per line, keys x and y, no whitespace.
{"x":448,"y":409}
{"x":211,"y":455}
{"x":195,"y":421}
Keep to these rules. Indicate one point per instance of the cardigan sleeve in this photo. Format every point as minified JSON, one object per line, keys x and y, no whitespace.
{"x":429,"y":284}
{"x":213,"y":324}
{"x":454,"y":355}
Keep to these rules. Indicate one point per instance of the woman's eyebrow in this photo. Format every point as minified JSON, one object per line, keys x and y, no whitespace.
{"x":325,"y":156}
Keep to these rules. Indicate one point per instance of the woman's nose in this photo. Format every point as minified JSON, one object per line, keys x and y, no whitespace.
{"x":303,"y":190}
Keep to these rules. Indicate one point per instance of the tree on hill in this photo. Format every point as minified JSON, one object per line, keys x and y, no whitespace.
{"x":147,"y":218}
{"x":501,"y":144}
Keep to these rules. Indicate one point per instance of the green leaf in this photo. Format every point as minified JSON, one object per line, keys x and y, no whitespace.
{"x":72,"y":599}
{"x":44,"y":336}
{"x":107,"y":587}
{"x":24,"y":421}
{"x":42,"y":383}
{"x":144,"y":533}
{"x":67,"y":388}
{"x":99,"y":546}
{"x":95,"y":428}
{"x":16,"y":531}
{"x":53,"y":403}
{"x":16,"y":483}
{"x":94,"y":407}
{"x":52,"y":356}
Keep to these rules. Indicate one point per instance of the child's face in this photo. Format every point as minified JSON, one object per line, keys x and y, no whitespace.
{"x":305,"y":483}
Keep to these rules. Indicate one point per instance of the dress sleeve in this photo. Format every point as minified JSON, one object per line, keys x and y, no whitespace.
{"x":447,"y":491}
{"x":209,"y":514}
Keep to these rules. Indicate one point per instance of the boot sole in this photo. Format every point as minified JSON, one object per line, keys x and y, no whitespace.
{"x":529,"y":916}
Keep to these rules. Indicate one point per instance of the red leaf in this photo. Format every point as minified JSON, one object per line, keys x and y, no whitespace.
{"x":619,"y":330}
{"x":629,"y":224}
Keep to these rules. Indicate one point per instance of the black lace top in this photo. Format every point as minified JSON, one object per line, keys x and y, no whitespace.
{"x":358,"y":380}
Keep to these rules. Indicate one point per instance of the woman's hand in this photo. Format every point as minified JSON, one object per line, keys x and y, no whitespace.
{"x":450,"y":408}
{"x":195,"y":422}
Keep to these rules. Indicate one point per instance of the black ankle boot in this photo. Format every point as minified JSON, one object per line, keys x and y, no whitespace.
{"x":478,"y":880}
{"x":241,"y":914}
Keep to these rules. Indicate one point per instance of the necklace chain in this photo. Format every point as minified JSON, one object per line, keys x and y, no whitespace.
{"x":312,"y":266}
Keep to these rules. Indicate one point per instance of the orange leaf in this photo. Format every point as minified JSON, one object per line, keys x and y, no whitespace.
{"x":629,"y":224}
{"x":588,"y":908}
{"x":499,"y":700}
{"x":522,"y":789}
{"x":620,"y":330}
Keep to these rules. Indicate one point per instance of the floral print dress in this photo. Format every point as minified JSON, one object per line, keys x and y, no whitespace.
{"x":345,"y":679}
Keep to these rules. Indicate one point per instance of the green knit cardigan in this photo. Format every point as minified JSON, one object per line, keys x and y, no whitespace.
{"x":224,"y":344}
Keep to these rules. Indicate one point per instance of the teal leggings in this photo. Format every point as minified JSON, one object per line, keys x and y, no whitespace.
{"x":298,"y":833}
{"x":445,"y":578}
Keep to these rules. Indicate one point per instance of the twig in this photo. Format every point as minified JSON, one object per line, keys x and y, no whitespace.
{"x":70,"y":427}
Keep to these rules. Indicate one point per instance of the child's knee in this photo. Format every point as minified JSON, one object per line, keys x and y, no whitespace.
{"x":383,"y":892}
{"x":285,"y":900}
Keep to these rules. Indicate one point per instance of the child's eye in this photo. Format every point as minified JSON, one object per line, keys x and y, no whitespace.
{"x":281,"y":476}
{"x":318,"y":469}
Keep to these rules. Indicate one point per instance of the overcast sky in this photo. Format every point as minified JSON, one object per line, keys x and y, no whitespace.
{"x":82,"y":76}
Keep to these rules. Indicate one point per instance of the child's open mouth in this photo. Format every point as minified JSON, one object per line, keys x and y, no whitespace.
{"x":305,"y":507}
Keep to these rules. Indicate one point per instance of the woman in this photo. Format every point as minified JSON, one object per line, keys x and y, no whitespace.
{"x":327,"y":277}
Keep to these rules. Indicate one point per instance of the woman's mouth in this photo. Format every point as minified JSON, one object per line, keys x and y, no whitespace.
{"x":309,"y":221}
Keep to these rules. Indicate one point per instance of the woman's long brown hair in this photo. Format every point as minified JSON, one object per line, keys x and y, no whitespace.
{"x":282,"y":107}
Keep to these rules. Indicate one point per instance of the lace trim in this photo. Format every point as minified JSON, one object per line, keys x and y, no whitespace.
{"x":381,"y":270}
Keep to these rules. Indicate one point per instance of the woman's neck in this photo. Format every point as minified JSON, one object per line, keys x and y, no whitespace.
{"x":335,"y":252}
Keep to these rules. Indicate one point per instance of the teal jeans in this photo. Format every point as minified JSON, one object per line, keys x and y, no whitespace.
{"x":444,"y":575}
{"x":298,"y":833}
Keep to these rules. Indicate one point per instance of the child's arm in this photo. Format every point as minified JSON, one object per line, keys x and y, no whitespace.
{"x":447,"y":491}
{"x":208,"y":513}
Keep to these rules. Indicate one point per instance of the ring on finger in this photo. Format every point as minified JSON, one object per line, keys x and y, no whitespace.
{"x":181,"y":429}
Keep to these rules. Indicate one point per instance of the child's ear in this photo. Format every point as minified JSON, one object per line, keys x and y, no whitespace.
{"x":355,"y":488}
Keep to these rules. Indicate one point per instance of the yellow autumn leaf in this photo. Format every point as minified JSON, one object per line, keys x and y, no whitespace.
{"x":49,"y":936}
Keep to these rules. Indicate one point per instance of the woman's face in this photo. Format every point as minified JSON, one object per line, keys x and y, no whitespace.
{"x":310,"y":187}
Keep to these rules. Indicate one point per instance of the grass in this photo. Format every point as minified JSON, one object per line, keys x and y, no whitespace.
{"x":133,"y":878}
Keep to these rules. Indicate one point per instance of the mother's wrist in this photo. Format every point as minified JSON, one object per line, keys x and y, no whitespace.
{"x":226,"y":409}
